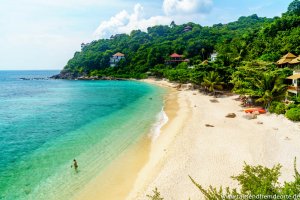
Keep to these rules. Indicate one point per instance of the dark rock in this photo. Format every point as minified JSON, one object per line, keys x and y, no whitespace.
{"x":208,"y":125}
{"x":287,"y":138}
{"x":31,"y":79}
{"x":231,"y":115}
{"x":75,"y":76}
{"x":65,"y":75}
{"x":214,"y":100}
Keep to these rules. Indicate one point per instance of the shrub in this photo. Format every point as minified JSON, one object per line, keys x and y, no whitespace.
{"x":277,"y":108}
{"x":180,"y":75}
{"x":296,"y":99}
{"x":256,"y":182}
{"x":155,"y":196}
{"x":290,"y":106}
{"x":293,"y":114}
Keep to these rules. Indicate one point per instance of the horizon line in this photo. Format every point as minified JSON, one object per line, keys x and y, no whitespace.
{"x":28,"y":69}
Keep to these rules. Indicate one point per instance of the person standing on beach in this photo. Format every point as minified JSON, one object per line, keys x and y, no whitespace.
{"x":75,"y":165}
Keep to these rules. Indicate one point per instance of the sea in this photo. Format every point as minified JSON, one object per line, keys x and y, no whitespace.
{"x":45,"y":124}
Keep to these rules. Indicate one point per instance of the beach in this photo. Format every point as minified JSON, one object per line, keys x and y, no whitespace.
{"x":211,"y":155}
{"x":186,"y":146}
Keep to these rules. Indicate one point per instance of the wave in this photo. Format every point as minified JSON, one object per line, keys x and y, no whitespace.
{"x":161,"y":120}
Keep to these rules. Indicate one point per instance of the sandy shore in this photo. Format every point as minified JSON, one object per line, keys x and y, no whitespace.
{"x":186,"y":146}
{"x":118,"y":179}
{"x":212,"y":154}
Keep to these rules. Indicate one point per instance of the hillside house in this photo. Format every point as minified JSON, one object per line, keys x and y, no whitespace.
{"x":285,"y":60}
{"x":294,"y":87}
{"x":176,"y":59}
{"x":116,"y":58}
{"x":213,"y":56}
{"x":187,"y":29}
{"x":293,"y":62}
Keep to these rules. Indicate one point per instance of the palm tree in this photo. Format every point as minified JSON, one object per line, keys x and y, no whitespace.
{"x":212,"y":81}
{"x":202,"y":51}
{"x":270,"y":88}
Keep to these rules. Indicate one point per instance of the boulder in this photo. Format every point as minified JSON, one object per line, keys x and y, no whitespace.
{"x":214,"y":100}
{"x":208,"y":125}
{"x":231,"y":115}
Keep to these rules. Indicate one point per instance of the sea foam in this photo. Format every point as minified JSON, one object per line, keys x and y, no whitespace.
{"x":161,"y":120}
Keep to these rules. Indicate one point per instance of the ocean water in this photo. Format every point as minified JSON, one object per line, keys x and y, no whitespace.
{"x":45,"y":124}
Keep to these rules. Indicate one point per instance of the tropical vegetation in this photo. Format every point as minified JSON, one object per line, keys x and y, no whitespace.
{"x":255,"y":182}
{"x":246,"y":52}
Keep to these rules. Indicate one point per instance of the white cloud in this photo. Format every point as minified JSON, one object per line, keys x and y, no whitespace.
{"x":124,"y":22}
{"x":181,"y":11}
{"x":175,"y":7}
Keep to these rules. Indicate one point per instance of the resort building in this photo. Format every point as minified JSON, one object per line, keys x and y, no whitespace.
{"x":285,"y":60}
{"x":293,"y":62}
{"x":213,"y":56}
{"x":294,"y":88}
{"x":187,"y":29}
{"x":116,"y":58}
{"x":176,"y":59}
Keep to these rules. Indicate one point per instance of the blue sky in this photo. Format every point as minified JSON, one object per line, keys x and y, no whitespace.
{"x":44,"y":34}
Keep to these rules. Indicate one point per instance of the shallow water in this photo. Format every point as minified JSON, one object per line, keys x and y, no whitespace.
{"x":45,"y":124}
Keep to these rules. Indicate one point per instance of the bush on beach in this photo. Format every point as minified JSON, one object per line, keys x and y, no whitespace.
{"x":293,"y":114}
{"x":256,"y":182}
{"x":277,"y":108}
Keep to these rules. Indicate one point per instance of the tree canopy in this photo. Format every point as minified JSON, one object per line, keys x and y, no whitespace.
{"x":246,"y":52}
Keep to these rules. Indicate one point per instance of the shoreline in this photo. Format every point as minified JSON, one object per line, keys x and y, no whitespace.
{"x":211,"y":155}
{"x":178,"y":113}
{"x":116,"y":181}
{"x":185,"y":146}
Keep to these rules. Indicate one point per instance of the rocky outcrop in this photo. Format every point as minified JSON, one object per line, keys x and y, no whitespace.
{"x":74,"y":76}
{"x":65,"y":75}
{"x":35,"y":79}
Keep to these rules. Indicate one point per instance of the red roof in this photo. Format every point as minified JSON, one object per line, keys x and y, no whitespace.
{"x":175,"y":55}
{"x":119,"y":54}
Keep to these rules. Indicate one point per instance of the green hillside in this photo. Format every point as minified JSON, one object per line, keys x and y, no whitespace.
{"x":248,"y":39}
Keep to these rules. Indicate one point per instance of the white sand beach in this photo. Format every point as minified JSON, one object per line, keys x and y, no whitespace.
{"x":186,"y":147}
{"x":212,"y":154}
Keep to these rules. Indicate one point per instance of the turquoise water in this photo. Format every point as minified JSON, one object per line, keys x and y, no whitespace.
{"x":45,"y":124}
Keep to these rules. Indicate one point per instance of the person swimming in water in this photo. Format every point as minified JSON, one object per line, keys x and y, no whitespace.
{"x":75,"y":165}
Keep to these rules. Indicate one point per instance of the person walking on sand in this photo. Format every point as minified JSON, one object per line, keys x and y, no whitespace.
{"x":75,"y":165}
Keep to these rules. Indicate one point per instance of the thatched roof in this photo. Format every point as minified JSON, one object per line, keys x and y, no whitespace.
{"x":286,"y":59}
{"x":293,"y":77}
{"x":295,"y":60}
{"x":205,"y":62}
{"x":119,"y":54}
